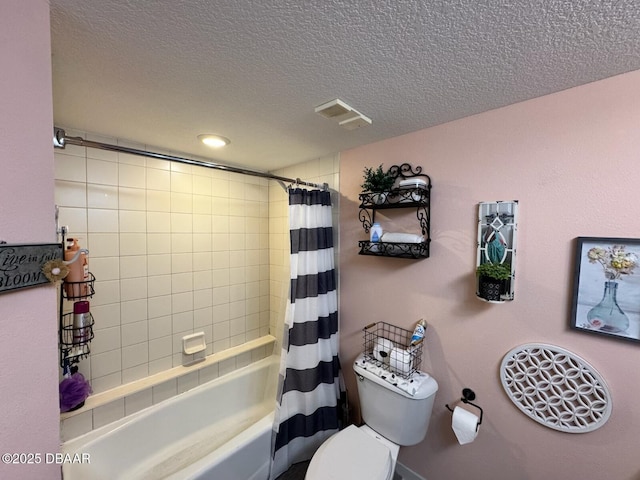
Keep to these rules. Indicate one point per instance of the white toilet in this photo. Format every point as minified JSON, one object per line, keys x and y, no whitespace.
{"x":393,"y":418}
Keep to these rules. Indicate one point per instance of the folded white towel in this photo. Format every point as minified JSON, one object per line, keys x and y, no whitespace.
{"x":391,"y":237}
{"x":412,"y":183}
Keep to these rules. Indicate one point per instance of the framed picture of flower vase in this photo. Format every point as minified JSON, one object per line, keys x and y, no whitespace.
{"x":606,"y":298}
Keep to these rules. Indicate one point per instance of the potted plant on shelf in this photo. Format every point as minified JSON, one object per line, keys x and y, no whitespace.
{"x":492,"y":279}
{"x":378,"y":182}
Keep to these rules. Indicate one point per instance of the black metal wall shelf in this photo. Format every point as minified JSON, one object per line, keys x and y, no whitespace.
{"x":400,"y":250}
{"x":416,"y":196}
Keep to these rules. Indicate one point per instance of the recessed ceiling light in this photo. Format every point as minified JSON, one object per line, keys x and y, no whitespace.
{"x":213,"y":141}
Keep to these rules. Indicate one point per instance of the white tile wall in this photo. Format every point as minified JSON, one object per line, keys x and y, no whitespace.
{"x":108,"y":413}
{"x":77,"y":425}
{"x":138,"y":401}
{"x":173,"y":248}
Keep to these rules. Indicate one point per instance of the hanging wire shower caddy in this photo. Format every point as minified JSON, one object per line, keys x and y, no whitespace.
{"x":74,"y":341}
{"x":403,"y":365}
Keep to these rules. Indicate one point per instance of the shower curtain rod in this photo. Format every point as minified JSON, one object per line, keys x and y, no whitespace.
{"x":60,"y":140}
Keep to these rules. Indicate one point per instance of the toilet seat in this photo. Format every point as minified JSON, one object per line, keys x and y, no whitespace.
{"x":351,"y":454}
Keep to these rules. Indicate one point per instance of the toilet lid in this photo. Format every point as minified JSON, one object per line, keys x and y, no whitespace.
{"x":351,"y":455}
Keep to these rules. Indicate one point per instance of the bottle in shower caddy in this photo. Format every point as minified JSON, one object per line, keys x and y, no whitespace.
{"x":78,"y":271}
{"x":375,"y":236}
{"x":81,"y":322}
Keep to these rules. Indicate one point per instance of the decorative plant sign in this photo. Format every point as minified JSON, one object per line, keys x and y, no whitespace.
{"x":606,"y":297}
{"x":21,"y":265}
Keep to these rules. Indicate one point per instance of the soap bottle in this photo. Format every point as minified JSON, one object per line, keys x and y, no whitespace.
{"x":375,"y":236}
{"x":78,"y":271}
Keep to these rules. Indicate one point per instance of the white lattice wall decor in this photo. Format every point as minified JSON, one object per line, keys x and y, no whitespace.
{"x":556,"y":388}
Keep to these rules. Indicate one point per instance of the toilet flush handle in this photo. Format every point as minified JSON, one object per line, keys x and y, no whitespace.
{"x":360,"y":377}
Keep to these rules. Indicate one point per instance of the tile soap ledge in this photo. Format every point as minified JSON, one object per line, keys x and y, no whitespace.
{"x":103,"y":398}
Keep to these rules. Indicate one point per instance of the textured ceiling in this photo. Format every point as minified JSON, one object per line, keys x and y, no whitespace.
{"x":161,"y":72}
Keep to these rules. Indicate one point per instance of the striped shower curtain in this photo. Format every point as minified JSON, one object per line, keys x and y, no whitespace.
{"x":310,"y":385}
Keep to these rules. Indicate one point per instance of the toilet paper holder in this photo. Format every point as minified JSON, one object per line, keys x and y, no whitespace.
{"x":467,"y":396}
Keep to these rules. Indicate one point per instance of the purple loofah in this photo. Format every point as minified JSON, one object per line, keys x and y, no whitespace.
{"x":73,"y":392}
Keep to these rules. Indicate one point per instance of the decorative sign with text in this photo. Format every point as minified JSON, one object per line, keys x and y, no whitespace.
{"x":21,"y":265}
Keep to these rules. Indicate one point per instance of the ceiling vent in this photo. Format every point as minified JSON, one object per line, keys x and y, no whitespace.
{"x":346,"y":116}
{"x":355,"y":122}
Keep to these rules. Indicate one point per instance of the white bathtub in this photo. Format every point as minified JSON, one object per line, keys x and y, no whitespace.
{"x":219,"y":430}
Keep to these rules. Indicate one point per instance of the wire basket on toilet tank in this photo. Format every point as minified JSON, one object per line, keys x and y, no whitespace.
{"x":389,"y":347}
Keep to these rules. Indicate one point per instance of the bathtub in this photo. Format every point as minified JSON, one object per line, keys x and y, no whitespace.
{"x":218,"y":430}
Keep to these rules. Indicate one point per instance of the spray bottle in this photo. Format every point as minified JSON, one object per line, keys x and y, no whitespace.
{"x":418,"y":332}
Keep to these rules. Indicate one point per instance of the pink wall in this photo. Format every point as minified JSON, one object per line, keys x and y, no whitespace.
{"x":571,"y":159}
{"x":28,"y":328}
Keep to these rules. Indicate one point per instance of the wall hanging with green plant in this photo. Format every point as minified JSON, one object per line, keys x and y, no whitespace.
{"x":496,"y":250}
{"x":497,"y":271}
{"x":492,"y":280}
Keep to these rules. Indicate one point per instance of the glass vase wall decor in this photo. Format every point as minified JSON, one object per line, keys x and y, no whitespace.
{"x":607,"y":316}
{"x":606,"y":297}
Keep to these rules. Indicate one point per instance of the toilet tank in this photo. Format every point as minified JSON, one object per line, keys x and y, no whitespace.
{"x":394,"y":413}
